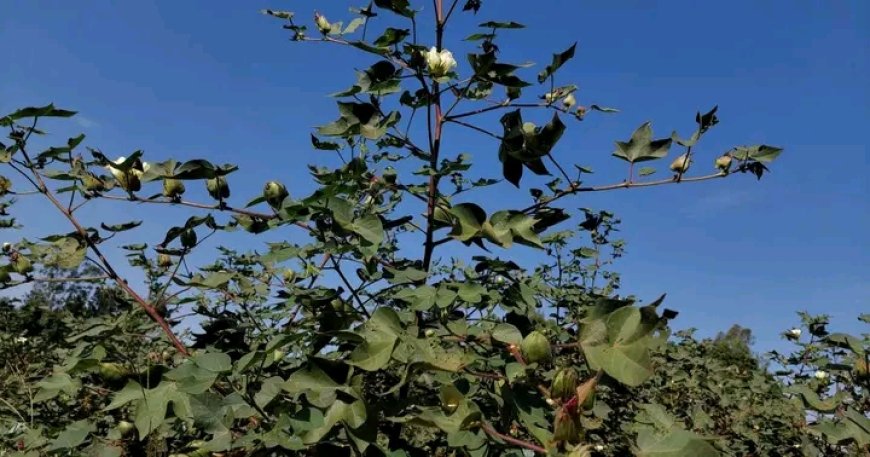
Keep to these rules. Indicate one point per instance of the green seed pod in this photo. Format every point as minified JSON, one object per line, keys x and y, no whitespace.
{"x":4,"y":276}
{"x":93,"y":184}
{"x":126,"y":428}
{"x":188,"y":238}
{"x":566,"y":427}
{"x":173,"y":188}
{"x":289,"y":276}
{"x":112,"y":371}
{"x":536,"y":348}
{"x":218,"y":188}
{"x":275,"y":193}
{"x":22,"y":265}
{"x":564,"y":384}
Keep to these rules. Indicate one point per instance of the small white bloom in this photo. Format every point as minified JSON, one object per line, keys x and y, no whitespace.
{"x":599,"y":447}
{"x":796,"y":446}
{"x":821,"y":374}
{"x":440,"y":63}
{"x":499,"y":279}
{"x":7,"y":246}
{"x":21,"y":340}
{"x":795,"y":332}
{"x":569,"y":101}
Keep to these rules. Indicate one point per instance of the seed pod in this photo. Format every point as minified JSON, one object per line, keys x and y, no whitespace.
{"x":275,"y":193}
{"x":681,"y":164}
{"x":724,"y":162}
{"x":564,"y":384}
{"x":586,"y":392}
{"x":218,"y":188}
{"x":164,"y":260}
{"x":112,"y":371}
{"x":566,"y":427}
{"x":188,"y":238}
{"x":22,"y":265}
{"x":126,"y":428}
{"x":173,"y":188}
{"x":536,"y":348}
{"x":93,"y":184}
{"x":5,"y":185}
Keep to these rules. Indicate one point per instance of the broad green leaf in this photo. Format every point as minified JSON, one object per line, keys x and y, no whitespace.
{"x":558,"y":60}
{"x":507,"y":333}
{"x":641,"y":147}
{"x":217,"y":362}
{"x":72,"y":436}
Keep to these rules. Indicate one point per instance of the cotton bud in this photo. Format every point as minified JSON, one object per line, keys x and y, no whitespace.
{"x":22,"y":265}
{"x":112,"y":371}
{"x":724,"y":162}
{"x":565,"y":427}
{"x":429,"y":333}
{"x":569,"y":101}
{"x":5,"y":185}
{"x":218,"y":188}
{"x":164,"y":261}
{"x":173,"y":188}
{"x":681,"y":164}
{"x":499,"y":279}
{"x":188,"y":238}
{"x":129,"y":180}
{"x":564,"y":384}
{"x":599,"y":447}
{"x":536,"y":348}
{"x":794,"y":333}
{"x":126,"y":428}
{"x":289,"y":276}
{"x":440,"y":63}
{"x":7,"y":247}
{"x":322,"y":24}
{"x":821,"y":375}
{"x":93,"y":184}
{"x":275,"y":193}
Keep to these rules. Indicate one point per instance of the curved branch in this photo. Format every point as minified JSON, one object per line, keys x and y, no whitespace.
{"x":487,"y":427}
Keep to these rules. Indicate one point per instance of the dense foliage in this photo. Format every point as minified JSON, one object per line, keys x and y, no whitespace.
{"x":363,"y":339}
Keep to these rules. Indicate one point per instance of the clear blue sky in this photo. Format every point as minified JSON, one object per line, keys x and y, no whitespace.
{"x":219,"y":80}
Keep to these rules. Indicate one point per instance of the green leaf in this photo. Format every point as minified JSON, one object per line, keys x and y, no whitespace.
{"x":641,"y":147}
{"x":558,"y":60}
{"x":646,"y":171}
{"x":629,"y":365}
{"x":268,"y":391}
{"x":603,"y":109}
{"x":29,"y":112}
{"x":400,"y":7}
{"x":121,"y":227}
{"x":72,"y":436}
{"x":216,"y":362}
{"x":675,"y":443}
{"x":502,"y":25}
{"x":507,"y":333}
{"x":468,"y":221}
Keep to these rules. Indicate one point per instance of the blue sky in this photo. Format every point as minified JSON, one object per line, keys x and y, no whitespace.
{"x":221,"y":81}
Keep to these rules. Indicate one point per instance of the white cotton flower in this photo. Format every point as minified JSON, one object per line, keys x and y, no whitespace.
{"x":569,"y":101}
{"x":599,"y":447}
{"x":21,"y":340}
{"x":7,"y":246}
{"x":821,"y":374}
{"x":440,"y":63}
{"x":794,"y":333}
{"x":129,"y":180}
{"x":322,"y":24}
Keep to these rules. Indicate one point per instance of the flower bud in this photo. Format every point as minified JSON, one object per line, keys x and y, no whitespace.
{"x":275,"y":193}
{"x":821,"y":375}
{"x":289,"y":276}
{"x":173,"y":188}
{"x":322,"y":24}
{"x":7,"y":247}
{"x":681,"y":164}
{"x":724,"y":162}
{"x":565,"y":427}
{"x":429,"y":333}
{"x":536,"y":348}
{"x":564,"y":384}
{"x":569,"y":101}
{"x":794,"y":333}
{"x":218,"y":188}
{"x":440,"y":63}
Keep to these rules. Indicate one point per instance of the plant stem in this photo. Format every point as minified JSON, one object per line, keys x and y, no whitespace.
{"x":486,"y":427}
{"x":435,"y":141}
